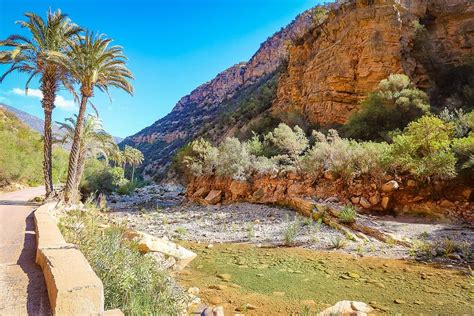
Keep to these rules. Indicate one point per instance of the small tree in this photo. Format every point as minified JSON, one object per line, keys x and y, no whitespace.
{"x":424,"y":150}
{"x":395,"y":103}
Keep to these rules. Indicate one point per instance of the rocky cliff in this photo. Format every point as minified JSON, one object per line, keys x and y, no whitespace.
{"x":202,"y":107}
{"x":337,"y":63}
{"x":320,"y":67}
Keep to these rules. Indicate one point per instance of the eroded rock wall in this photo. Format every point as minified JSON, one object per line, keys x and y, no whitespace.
{"x":338,"y":63}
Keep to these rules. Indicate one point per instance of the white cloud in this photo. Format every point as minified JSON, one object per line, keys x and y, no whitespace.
{"x":60,"y":102}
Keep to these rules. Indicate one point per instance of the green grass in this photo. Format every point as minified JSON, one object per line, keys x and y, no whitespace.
{"x":348,"y":214}
{"x":132,"y":281}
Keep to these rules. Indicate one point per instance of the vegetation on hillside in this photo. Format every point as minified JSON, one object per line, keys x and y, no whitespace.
{"x":21,"y":155}
{"x":427,"y":149}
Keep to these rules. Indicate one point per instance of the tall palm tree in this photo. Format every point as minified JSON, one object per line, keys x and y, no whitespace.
{"x":30,"y":56}
{"x":93,"y":63}
{"x":95,"y":141}
{"x":134,"y":157}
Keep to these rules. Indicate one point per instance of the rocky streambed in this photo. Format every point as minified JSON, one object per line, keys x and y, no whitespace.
{"x":281,"y":262}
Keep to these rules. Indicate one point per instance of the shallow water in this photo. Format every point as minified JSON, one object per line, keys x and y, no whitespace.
{"x":282,"y":281}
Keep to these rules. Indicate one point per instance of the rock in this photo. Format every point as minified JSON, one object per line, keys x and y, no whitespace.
{"x":218,"y":311}
{"x":399,"y":301}
{"x":200,"y":193}
{"x":279,"y":294}
{"x":210,"y":246}
{"x":148,"y":243}
{"x":411,"y":183}
{"x":214,"y":197}
{"x":193,"y":290}
{"x":219,"y":287}
{"x":347,"y":308}
{"x":454,"y":256}
{"x":390,"y":186}
{"x":330,"y":175}
{"x":257,"y":195}
{"x":224,"y":276}
{"x":374,"y":199}
{"x":446,"y":204}
{"x":466,"y":193}
{"x":246,"y":307}
{"x":385,"y":201}
{"x":215,"y":300}
{"x":355,"y":200}
{"x":364,"y":203}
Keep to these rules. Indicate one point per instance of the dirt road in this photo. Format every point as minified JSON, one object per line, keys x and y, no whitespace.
{"x":22,"y":287}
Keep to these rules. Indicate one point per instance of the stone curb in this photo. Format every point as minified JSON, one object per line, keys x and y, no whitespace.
{"x":73,"y":287}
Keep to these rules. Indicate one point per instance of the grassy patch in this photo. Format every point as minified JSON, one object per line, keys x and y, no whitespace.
{"x":132,"y":281}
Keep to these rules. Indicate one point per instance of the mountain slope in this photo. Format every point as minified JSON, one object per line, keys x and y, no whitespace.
{"x":36,"y":123}
{"x":203,"y":107}
{"x":316,"y":71}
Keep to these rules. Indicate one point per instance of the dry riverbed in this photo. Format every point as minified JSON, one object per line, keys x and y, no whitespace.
{"x":244,"y":262}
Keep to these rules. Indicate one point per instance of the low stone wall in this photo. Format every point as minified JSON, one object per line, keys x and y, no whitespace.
{"x":73,"y":287}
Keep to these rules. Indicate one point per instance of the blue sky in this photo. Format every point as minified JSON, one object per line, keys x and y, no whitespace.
{"x":173,"y":46}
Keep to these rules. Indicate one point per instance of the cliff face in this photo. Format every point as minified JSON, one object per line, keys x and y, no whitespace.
{"x":337,"y":63}
{"x":201,"y":108}
{"x":322,"y":69}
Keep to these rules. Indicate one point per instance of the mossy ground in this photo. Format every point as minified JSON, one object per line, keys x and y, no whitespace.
{"x":282,"y":281}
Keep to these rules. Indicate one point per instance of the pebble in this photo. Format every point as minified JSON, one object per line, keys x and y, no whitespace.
{"x":399,"y":301}
{"x":224,"y":276}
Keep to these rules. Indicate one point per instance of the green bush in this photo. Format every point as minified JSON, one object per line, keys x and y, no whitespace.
{"x":99,"y":177}
{"x":424,"y":150}
{"x":395,"y":103}
{"x":132,"y":281}
{"x":348,"y":214}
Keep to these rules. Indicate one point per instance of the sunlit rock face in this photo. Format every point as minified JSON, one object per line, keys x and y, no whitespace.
{"x":362,"y":42}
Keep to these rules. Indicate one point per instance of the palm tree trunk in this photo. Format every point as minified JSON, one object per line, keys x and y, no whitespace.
{"x":48,"y":87}
{"x":133,"y":172}
{"x":70,"y":194}
{"x":80,"y":170}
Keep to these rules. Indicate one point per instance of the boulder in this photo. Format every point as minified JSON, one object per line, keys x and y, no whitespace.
{"x":238,"y":189}
{"x":385,"y":201}
{"x":390,"y":186}
{"x":260,"y":193}
{"x":364,"y":203}
{"x":347,"y":308}
{"x":214,"y":197}
{"x":374,"y":199}
{"x":466,"y":193}
{"x":148,"y":243}
{"x":355,"y":200}
{"x":200,"y":193}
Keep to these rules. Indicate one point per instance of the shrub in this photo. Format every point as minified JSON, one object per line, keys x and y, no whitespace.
{"x":424,"y":150}
{"x":395,"y":103}
{"x":99,"y":177}
{"x":132,"y":281}
{"x":201,"y":159}
{"x":291,"y":232}
{"x":346,"y":158}
{"x":286,"y":141}
{"x":348,"y":214}
{"x":233,"y":159}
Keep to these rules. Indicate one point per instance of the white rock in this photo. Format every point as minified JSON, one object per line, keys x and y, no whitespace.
{"x":347,"y":308}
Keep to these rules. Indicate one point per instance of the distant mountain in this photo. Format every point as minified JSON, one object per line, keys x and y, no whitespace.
{"x":32,"y":121}
{"x":37,"y":124}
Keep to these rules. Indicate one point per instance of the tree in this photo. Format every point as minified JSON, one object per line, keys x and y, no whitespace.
{"x":95,"y":141}
{"x":424,"y":150}
{"x":392,"y":106}
{"x":31,"y":56}
{"x":93,"y":63}
{"x":134,"y":157}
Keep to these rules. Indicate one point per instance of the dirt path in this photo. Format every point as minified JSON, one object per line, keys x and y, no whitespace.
{"x":22,"y":287}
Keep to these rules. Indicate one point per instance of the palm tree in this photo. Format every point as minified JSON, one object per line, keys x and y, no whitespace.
{"x":30,"y":56}
{"x":93,"y":64}
{"x":134,"y":157}
{"x":95,"y":141}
